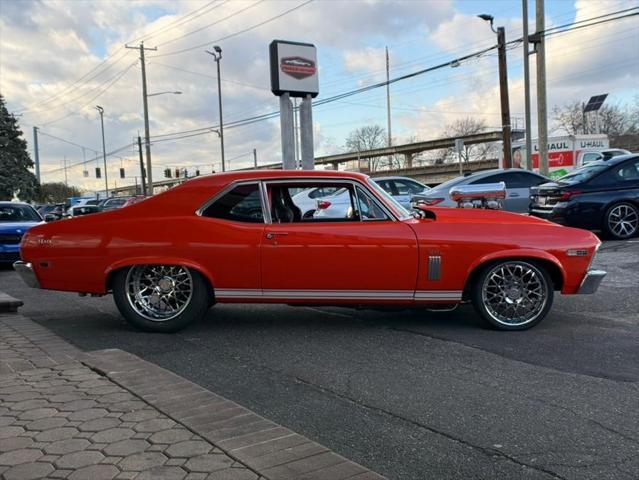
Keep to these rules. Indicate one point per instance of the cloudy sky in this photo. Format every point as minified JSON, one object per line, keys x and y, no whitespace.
{"x":60,"y":58}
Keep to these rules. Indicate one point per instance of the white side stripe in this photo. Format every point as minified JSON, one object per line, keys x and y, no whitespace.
{"x":420,"y":295}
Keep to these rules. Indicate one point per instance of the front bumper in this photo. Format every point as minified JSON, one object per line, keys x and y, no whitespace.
{"x":591,"y":281}
{"x":26,"y":272}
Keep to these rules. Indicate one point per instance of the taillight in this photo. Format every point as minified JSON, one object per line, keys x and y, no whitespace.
{"x":565,"y":196}
{"x":323,"y":204}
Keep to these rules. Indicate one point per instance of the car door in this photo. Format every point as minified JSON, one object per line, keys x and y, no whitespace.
{"x":518,"y":186}
{"x":361,"y":254}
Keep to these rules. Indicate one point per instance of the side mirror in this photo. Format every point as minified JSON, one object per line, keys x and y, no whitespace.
{"x":485,"y":195}
{"x":49,"y":217}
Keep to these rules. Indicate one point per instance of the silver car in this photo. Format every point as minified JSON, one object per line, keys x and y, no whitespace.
{"x":518,"y":182}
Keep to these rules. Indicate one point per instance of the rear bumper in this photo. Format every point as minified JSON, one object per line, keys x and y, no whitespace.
{"x":26,"y":272}
{"x":591,"y":281}
{"x":554,"y":215}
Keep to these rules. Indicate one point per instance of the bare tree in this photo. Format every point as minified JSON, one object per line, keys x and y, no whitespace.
{"x":365,"y":138}
{"x":460,"y":128}
{"x":614,"y":119}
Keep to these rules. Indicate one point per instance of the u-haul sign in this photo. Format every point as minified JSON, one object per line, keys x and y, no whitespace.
{"x":293,"y":68}
{"x":564,"y":153}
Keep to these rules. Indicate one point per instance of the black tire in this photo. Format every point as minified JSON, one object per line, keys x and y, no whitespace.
{"x":613,"y":231}
{"x":487,"y":309}
{"x":195,"y":307}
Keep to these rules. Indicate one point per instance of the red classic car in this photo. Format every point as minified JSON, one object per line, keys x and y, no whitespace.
{"x":239,"y":237}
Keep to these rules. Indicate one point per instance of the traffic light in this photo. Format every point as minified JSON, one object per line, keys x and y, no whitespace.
{"x":122,"y":173}
{"x":167,"y":173}
{"x":177,"y":173}
{"x":186,"y":173}
{"x":98,"y":172}
{"x":197,"y":172}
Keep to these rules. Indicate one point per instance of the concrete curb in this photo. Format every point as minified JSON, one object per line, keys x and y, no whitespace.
{"x":265,"y":447}
{"x":8,"y":303}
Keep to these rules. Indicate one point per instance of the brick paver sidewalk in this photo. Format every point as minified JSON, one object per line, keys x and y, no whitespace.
{"x":111,"y":415}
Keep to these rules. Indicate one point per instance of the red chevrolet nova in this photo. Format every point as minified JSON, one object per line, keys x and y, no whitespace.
{"x":240,"y":237}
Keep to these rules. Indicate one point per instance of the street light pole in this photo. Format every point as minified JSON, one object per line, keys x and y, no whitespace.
{"x":528,"y":156}
{"x":217,"y":55}
{"x":503,"y":88}
{"x":106,"y":183}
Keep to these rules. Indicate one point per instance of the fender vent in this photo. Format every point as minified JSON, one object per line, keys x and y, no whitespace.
{"x":434,"y":267}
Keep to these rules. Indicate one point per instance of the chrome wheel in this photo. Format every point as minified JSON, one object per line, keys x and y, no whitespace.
{"x":514,"y":293}
{"x":159,"y":292}
{"x":623,"y":220}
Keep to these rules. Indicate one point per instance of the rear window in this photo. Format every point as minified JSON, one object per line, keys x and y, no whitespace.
{"x":241,"y":204}
{"x":18,"y":213}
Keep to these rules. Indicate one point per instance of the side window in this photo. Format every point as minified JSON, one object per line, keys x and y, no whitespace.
{"x":320,"y":192}
{"x":523,"y":180}
{"x":389,"y":186}
{"x":368,"y":208}
{"x":629,"y":171}
{"x":403,"y":188}
{"x":591,"y":157}
{"x":335,"y":205}
{"x":242,"y":204}
{"x":499,"y":177}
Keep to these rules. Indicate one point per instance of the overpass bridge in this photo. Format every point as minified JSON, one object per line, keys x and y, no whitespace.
{"x":428,"y":174}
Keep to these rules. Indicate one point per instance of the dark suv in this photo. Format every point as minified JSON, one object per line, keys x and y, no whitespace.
{"x":602,"y":195}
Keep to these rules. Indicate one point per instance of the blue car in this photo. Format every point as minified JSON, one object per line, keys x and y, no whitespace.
{"x":15,"y":220}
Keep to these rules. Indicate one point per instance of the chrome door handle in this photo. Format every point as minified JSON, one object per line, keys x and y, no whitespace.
{"x":272,"y":235}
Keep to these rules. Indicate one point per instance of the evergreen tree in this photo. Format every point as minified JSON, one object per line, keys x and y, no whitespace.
{"x":15,"y":177}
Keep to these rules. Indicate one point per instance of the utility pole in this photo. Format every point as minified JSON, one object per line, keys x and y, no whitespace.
{"x":147,"y":140}
{"x":388,"y":108}
{"x":503,"y":93}
{"x":217,"y":55}
{"x":66,"y":182}
{"x":36,"y":153}
{"x":255,"y":158}
{"x":141,"y":166}
{"x":542,"y":114}
{"x":503,"y":88}
{"x":106,"y":183}
{"x":528,"y":127}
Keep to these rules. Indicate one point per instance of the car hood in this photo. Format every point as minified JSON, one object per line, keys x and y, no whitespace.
{"x":479,"y":215}
{"x":13,"y":227}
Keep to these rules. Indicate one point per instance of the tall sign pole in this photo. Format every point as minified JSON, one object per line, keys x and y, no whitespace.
{"x":145,"y":104}
{"x":528,"y":157}
{"x":542,"y":114}
{"x":294,"y":74}
{"x":141,"y":166}
{"x":388,"y":106}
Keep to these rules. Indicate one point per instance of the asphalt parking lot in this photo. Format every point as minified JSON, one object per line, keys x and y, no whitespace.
{"x":408,"y":393}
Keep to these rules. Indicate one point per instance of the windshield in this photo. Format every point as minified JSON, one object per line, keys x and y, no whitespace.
{"x":399,"y":209}
{"x":584,"y":173}
{"x":18,"y":213}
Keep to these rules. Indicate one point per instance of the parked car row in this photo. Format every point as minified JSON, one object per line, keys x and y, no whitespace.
{"x":602,"y":195}
{"x":85,"y":206}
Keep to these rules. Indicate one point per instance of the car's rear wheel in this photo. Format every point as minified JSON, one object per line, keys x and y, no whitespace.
{"x":161,"y":298}
{"x":621,"y":221}
{"x":512,"y":294}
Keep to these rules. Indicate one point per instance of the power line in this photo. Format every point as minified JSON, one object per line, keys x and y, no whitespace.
{"x":113,"y":82}
{"x":109,"y":154}
{"x":241,"y":10}
{"x":209,"y":76}
{"x":235,"y":34}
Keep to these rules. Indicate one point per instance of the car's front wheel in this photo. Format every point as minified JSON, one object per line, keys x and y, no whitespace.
{"x":161,"y":298}
{"x":512,"y":294}
{"x":621,"y":221}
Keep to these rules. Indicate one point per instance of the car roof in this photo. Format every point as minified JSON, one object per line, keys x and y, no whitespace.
{"x":225,"y":178}
{"x":6,"y":203}
{"x":493,"y":171}
{"x":392,"y":177}
{"x":617,"y":159}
